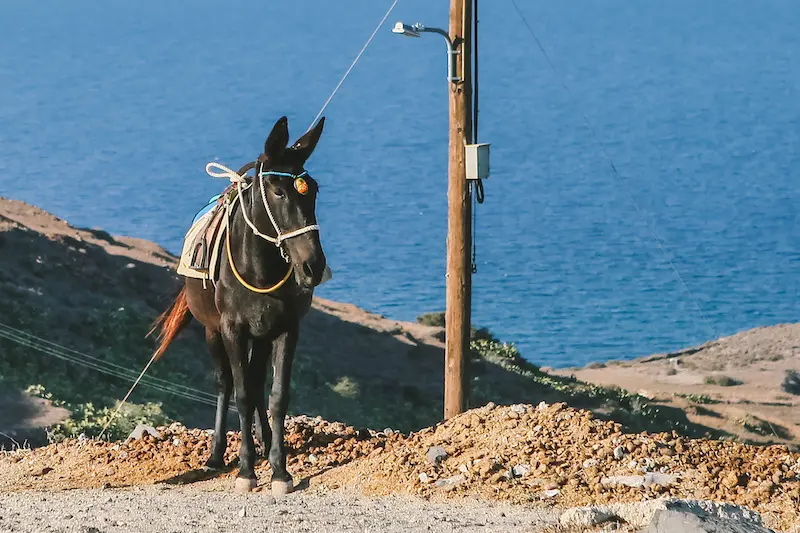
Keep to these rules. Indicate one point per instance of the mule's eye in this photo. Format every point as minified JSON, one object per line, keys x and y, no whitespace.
{"x":279,"y":193}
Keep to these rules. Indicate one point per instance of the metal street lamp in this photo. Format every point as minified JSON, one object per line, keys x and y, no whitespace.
{"x":419,"y":28}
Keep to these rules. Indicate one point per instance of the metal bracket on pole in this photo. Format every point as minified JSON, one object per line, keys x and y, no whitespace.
{"x":452,"y":48}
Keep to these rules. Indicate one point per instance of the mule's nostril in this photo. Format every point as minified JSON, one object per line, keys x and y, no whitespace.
{"x":307,"y":270}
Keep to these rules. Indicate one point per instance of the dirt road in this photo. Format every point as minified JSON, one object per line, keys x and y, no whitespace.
{"x":161,"y":509}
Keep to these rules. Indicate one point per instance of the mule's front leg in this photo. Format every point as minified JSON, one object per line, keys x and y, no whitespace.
{"x":236,"y":345}
{"x":282,"y":354}
{"x":257,"y":374}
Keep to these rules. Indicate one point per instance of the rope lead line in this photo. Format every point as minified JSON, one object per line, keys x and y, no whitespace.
{"x":352,"y":66}
{"x":125,"y":399}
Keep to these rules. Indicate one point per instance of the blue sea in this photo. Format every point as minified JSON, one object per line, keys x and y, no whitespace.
{"x":109,"y":111}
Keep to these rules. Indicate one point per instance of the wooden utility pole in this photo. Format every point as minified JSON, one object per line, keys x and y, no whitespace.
{"x":459,"y":223}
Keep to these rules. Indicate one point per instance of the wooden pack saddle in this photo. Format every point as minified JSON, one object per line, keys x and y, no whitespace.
{"x":203,"y":244}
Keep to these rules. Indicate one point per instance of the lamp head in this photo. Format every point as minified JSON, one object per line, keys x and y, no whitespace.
{"x":405,"y":29}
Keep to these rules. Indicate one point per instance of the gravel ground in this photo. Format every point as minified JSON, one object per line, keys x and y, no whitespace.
{"x":166,"y":510}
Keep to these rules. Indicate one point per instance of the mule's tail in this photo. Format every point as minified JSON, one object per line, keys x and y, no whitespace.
{"x":172,"y":321}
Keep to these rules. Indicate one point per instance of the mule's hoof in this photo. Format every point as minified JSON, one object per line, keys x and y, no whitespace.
{"x":282,"y":488}
{"x":244,"y":485}
{"x":212,"y":468}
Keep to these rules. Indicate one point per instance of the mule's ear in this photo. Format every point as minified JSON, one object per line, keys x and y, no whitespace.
{"x":278,"y":139}
{"x":305,"y":145}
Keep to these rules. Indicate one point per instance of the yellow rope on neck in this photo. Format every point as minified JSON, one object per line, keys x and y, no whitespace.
{"x":239,"y":276}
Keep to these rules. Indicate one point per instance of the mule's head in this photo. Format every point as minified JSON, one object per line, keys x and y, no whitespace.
{"x":291,"y":194}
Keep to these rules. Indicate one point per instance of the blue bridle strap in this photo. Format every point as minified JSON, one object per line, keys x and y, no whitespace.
{"x":266,"y":173}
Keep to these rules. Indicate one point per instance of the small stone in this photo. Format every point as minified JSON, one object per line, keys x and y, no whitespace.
{"x":463,"y":468}
{"x":141,"y":431}
{"x":242,"y":512}
{"x":655,"y":478}
{"x":312,"y":458}
{"x":551,"y":493}
{"x":521,"y":470}
{"x":628,"y":481}
{"x":734,"y":479}
{"x":589,"y":463}
{"x":176,"y":441}
{"x":455,"y":480}
{"x":423,"y":478}
{"x":44,"y":471}
{"x":619,"y":453}
{"x":436,"y":455}
{"x":768,"y":487}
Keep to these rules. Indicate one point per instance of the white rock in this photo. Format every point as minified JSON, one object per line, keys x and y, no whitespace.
{"x":455,"y":480}
{"x":142,"y":430}
{"x":628,"y":481}
{"x":521,"y":470}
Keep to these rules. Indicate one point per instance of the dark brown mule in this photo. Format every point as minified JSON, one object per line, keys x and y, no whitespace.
{"x":235,"y":315}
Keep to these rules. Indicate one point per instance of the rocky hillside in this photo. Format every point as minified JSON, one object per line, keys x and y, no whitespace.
{"x":747,"y":385}
{"x":76,"y":303}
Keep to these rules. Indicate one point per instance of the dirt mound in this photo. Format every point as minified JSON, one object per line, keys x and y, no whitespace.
{"x":549,"y":454}
{"x":177,"y":455}
{"x":554,"y":454}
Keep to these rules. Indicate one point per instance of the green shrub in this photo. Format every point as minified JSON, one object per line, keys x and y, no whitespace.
{"x":88,"y":420}
{"x":437,"y":320}
{"x":704,"y":399}
{"x":791,"y":382}
{"x":722,"y":381}
{"x":432,"y":319}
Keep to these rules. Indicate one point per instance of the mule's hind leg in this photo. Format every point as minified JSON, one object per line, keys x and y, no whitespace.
{"x":235,"y":338}
{"x":224,"y":383}
{"x":257,"y":375}
{"x":282,"y":354}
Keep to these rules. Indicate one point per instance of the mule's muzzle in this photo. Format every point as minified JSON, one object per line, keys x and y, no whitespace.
{"x":309,"y":273}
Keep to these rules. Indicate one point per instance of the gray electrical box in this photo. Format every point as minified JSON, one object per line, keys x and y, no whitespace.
{"x":477,"y":161}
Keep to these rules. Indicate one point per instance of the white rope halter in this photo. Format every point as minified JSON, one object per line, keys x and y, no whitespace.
{"x":238,"y":179}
